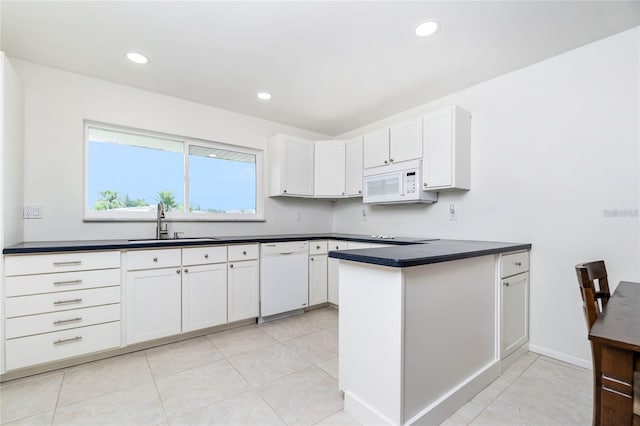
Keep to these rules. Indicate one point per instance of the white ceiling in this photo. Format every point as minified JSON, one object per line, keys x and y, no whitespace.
{"x":331,"y":66}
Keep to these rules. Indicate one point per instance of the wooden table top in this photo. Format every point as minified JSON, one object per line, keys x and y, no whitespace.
{"x":619,"y":323}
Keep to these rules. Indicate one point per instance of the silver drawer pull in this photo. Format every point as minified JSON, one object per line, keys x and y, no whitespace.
{"x":506,"y":283}
{"x":72,"y":282}
{"x":518,"y":263}
{"x":155,"y":259}
{"x":61,"y":322}
{"x":63,"y":341}
{"x":206,"y":256}
{"x":71,"y":263}
{"x":244,"y":252}
{"x":64,"y":302}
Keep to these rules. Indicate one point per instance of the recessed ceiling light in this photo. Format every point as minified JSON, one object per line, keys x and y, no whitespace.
{"x":212,"y":155}
{"x":137,"y":58}
{"x":265,"y":96}
{"x":426,"y":29}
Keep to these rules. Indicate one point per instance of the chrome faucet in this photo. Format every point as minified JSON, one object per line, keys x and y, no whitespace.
{"x":160,"y":232}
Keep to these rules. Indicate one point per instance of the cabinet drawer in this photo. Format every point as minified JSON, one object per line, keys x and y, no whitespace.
{"x":318,"y":247}
{"x":60,"y":301}
{"x":337,"y":245}
{"x":152,"y":259}
{"x":41,"y":348}
{"x":57,"y":321}
{"x":47,"y":283}
{"x":60,"y":262}
{"x":243,"y":252}
{"x":204,"y":255}
{"x":515,"y":263}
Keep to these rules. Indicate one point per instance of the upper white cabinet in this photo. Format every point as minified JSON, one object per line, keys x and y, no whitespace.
{"x":291,"y":166}
{"x":405,"y":141}
{"x":330,"y":169}
{"x":353,"y":175}
{"x":376,"y":148}
{"x":447,"y":150}
{"x":401,"y":142}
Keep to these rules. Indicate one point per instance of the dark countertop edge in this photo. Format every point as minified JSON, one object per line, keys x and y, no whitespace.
{"x":424,"y":260}
{"x":89,"y":245}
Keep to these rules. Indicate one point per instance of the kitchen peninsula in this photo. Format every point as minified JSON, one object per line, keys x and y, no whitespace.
{"x":424,"y":328}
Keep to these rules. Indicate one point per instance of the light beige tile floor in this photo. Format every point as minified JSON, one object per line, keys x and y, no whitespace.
{"x":281,"y":373}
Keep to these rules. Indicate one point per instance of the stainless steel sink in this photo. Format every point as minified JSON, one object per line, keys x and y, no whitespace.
{"x":153,"y":240}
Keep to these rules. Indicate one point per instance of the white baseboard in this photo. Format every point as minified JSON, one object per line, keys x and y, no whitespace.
{"x":580,"y":362}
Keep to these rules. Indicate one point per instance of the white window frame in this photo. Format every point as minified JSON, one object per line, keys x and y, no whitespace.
{"x":91,"y":215}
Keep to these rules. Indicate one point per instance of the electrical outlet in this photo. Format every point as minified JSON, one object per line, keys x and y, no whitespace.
{"x":365,"y":214}
{"x":298,"y":216}
{"x":32,"y":212}
{"x":452,"y":212}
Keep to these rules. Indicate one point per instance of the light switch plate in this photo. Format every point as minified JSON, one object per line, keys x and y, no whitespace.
{"x":33,"y":211}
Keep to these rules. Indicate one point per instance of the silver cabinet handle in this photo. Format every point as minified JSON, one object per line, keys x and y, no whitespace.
{"x":386,"y":162}
{"x":61,"y":322}
{"x":177,"y":271}
{"x":70,"y":263}
{"x":72,"y":282}
{"x":231,"y":266}
{"x":206,"y":256}
{"x":285,"y":191}
{"x":518,"y":263}
{"x":391,"y":160}
{"x":72,"y":340}
{"x":244,"y":253}
{"x":343,"y":193}
{"x":424,"y":184}
{"x":311,"y":258}
{"x":506,"y":283}
{"x":337,"y":247}
{"x":186,"y":270}
{"x":318,"y":247}
{"x":359,"y":191}
{"x":65,"y":302}
{"x":155,"y":259}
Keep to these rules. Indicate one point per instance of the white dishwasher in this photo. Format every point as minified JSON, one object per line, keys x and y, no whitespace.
{"x":284,"y":277}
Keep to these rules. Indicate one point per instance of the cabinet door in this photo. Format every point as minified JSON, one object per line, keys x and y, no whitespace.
{"x":204,"y":296}
{"x":242,"y":290}
{"x":329,"y":179}
{"x":515,"y":313}
{"x":376,"y":149}
{"x":353,"y":178}
{"x":153,"y":304}
{"x":438,"y":149}
{"x":406,"y":141}
{"x":317,"y":279}
{"x":298,"y":167}
{"x":332,"y":280}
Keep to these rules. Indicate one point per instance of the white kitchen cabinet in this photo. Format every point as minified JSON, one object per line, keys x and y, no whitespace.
{"x":353,"y":174}
{"x":153,"y":304}
{"x":333,"y":266}
{"x":330,"y":169}
{"x":405,"y":141}
{"x":514,"y":302}
{"x":204,"y":296}
{"x":399,"y":143}
{"x":318,"y":262}
{"x":376,"y":148}
{"x":60,"y":305}
{"x":447,"y":150}
{"x":242,"y":289}
{"x":291,"y":166}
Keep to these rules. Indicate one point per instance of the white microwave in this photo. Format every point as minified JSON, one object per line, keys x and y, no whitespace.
{"x":395,"y":184}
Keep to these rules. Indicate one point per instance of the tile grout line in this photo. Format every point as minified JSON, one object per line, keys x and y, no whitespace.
{"x":55,"y":408}
{"x":155,"y":385}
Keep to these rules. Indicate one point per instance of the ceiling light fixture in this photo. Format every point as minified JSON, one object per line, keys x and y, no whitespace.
{"x":137,"y":58}
{"x":212,"y":155}
{"x":426,"y":29}
{"x":265,"y":96}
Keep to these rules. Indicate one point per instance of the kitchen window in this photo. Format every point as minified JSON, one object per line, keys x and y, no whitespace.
{"x":127,"y":172}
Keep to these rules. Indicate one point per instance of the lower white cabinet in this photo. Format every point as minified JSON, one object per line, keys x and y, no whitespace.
{"x":243,"y":288}
{"x":204,"y":296}
{"x":153,"y":304}
{"x":332,"y":271}
{"x":317,"y":279}
{"x":515,"y":313}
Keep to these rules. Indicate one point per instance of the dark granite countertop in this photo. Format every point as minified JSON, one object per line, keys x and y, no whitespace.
{"x":406,"y":251}
{"x":84,"y":245}
{"x":427,"y":252}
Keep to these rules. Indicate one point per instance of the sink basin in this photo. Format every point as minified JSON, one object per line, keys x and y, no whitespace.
{"x":153,"y":240}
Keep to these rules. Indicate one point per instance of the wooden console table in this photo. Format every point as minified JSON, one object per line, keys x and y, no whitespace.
{"x":617,"y":335}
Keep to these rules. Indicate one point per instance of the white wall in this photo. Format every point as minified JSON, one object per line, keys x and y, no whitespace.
{"x":13,"y":154}
{"x":57,"y":102}
{"x":553,"y":145}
